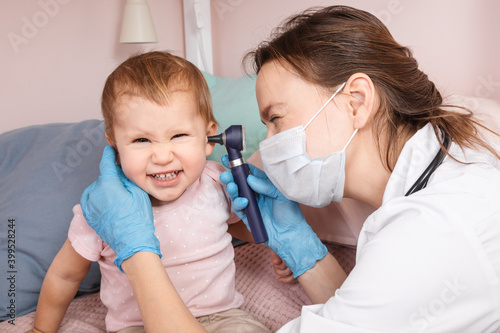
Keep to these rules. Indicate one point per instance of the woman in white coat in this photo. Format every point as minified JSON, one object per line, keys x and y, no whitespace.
{"x":349,"y":114}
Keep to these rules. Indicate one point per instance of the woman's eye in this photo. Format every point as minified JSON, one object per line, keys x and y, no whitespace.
{"x":141,"y":140}
{"x":273,"y":118}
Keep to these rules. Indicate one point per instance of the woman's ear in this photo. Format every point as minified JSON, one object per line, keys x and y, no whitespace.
{"x":211,"y":130}
{"x":363,"y":102}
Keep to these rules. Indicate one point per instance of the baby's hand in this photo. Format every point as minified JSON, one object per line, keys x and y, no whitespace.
{"x":281,"y":269}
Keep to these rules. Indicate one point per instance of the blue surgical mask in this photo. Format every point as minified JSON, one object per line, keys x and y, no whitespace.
{"x":312,"y":182}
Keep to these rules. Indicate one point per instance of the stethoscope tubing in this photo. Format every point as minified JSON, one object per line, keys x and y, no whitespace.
{"x":435,"y":163}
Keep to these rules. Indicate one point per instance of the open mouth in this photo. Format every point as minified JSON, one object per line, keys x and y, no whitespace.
{"x":165,"y":176}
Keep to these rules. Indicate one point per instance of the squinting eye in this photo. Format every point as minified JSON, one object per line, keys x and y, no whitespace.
{"x":141,"y":140}
{"x":178,"y":136}
{"x":273,"y":119}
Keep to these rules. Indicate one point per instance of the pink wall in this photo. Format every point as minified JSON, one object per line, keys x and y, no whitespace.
{"x":56,"y":54}
{"x":455,"y":41}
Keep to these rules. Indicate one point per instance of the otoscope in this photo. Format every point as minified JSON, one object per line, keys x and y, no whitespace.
{"x":233,"y":139}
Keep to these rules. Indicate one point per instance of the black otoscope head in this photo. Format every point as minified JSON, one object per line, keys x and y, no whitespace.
{"x":233,"y":137}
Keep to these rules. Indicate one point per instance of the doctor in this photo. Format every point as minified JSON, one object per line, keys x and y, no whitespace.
{"x":349,"y":114}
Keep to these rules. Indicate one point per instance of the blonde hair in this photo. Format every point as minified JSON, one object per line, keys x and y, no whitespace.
{"x":154,"y":76}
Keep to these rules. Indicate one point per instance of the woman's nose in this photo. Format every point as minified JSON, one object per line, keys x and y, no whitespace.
{"x":269,"y":134}
{"x":162,"y":154}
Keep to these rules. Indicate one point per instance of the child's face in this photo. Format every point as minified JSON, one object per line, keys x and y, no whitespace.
{"x":162,"y":149}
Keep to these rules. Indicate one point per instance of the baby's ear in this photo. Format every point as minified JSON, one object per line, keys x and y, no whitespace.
{"x":109,"y":138}
{"x":211,"y":130}
{"x":113,"y":144}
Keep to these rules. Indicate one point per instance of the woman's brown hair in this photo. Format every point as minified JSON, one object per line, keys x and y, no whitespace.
{"x":326,"y":46}
{"x":154,"y":76}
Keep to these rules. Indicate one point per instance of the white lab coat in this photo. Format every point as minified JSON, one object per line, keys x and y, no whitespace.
{"x":429,"y":262}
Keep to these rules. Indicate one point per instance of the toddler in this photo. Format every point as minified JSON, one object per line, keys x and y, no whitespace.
{"x":158,"y":114}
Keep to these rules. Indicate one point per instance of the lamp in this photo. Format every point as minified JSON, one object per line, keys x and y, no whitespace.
{"x":137,"y":24}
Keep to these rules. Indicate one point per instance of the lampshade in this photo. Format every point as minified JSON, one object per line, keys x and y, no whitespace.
{"x":137,"y":24}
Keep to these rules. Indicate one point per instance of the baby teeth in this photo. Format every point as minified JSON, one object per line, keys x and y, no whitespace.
{"x":166,"y":176}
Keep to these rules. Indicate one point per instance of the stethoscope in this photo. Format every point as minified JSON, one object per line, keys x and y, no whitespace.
{"x":435,"y":163}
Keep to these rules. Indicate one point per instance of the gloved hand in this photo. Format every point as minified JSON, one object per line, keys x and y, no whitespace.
{"x":119,"y":211}
{"x":289,"y":234}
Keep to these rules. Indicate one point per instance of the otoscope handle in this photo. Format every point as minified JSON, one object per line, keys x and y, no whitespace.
{"x":240,"y":173}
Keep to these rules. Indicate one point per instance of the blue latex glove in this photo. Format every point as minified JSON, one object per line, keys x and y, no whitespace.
{"x":119,"y":211}
{"x":289,"y":234}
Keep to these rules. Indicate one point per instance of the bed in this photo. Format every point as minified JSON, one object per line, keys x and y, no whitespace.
{"x":273,"y":303}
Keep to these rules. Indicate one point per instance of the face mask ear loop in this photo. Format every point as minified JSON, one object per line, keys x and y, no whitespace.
{"x":352,"y":136}
{"x":324,"y":105}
